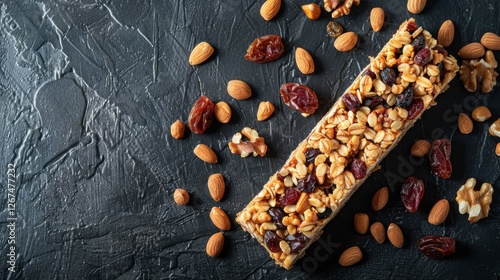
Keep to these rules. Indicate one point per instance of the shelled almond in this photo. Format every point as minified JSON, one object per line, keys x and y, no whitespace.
{"x":380,"y":198}
{"x":215,"y":244}
{"x":416,"y":6}
{"x":420,"y":148}
{"x":312,"y":11}
{"x":219,"y":218}
{"x":222,"y":112}
{"x":491,"y":41}
{"x":361,"y":223}
{"x":238,"y":89}
{"x":377,"y":17}
{"x":465,"y":124}
{"x":270,"y":8}
{"x":481,"y":114}
{"x":439,"y":212}
{"x":181,"y":196}
{"x":177,"y":129}
{"x":304,"y":61}
{"x":350,"y":256}
{"x":377,"y":230}
{"x":200,"y":53}
{"x":346,"y":41}
{"x":216,"y":186}
{"x":205,"y":153}
{"x":471,"y":51}
{"x":395,"y":235}
{"x":446,"y":33}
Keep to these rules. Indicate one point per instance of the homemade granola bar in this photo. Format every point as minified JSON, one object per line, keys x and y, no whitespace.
{"x":346,"y":146}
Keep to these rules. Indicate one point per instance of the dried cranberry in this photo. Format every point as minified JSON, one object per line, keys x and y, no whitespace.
{"x":416,"y":106}
{"x":264,"y":49}
{"x":290,"y":196}
{"x":405,"y":98}
{"x":373,"y":102}
{"x":371,"y":74}
{"x":297,"y":242}
{"x":358,"y":168}
{"x":351,"y":102}
{"x":412,"y":192}
{"x":201,"y":115}
{"x":280,"y":178}
{"x":277,"y":215}
{"x":311,"y":155}
{"x":436,"y":247}
{"x":422,"y":57}
{"x":439,"y":157}
{"x":299,"y":97}
{"x":441,"y":50}
{"x":307,"y":184}
{"x":325,"y":214}
{"x":411,"y":27}
{"x":388,"y":76}
{"x":272,"y":241}
{"x":418,"y":43}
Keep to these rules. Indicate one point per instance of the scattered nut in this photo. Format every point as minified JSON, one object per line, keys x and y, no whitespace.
{"x":330,"y":5}
{"x":200,"y":53}
{"x":446,"y":33}
{"x":239,"y":90}
{"x":416,"y":6}
{"x":205,"y":153}
{"x":481,"y":114}
{"x":471,"y":51}
{"x":491,"y":41}
{"x":312,"y":11}
{"x":361,"y":223}
{"x":439,"y":212}
{"x":222,"y":112}
{"x":377,"y":17}
{"x":346,"y":41}
{"x":177,"y":129}
{"x":420,"y":148}
{"x":220,"y":219}
{"x":465,"y":124}
{"x":334,"y":29}
{"x":265,"y":110}
{"x":350,"y":256}
{"x":380,"y":198}
{"x":270,"y":8}
{"x":216,"y":186}
{"x":378,"y":232}
{"x":215,"y":244}
{"x":475,"y":203}
{"x":497,"y":149}
{"x":304,"y":61}
{"x":494,"y":129}
{"x":344,"y":8}
{"x":181,"y":196}
{"x":395,"y":235}
{"x":255,"y":145}
{"x":473,"y":72}
{"x":303,"y":203}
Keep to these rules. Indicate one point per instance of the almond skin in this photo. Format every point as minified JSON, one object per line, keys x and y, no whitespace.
{"x":378,"y":232}
{"x":491,"y":41}
{"x":346,"y":41}
{"x":416,"y":6}
{"x":265,"y":110}
{"x":471,"y":51}
{"x":177,"y":129}
{"x":350,"y":256}
{"x":361,"y":223}
{"x":216,"y":186}
{"x":497,"y":149}
{"x":312,"y":11}
{"x":465,"y":124}
{"x":380,"y":198}
{"x":181,"y":196}
{"x":205,"y":153}
{"x":239,"y":90}
{"x":200,"y":53}
{"x":439,"y":212}
{"x":303,"y":203}
{"x":304,"y":61}
{"x":270,"y":8}
{"x":377,"y":17}
{"x":220,"y":219}
{"x":481,"y":114}
{"x":395,"y":235}
{"x":446,"y":33}
{"x":215,"y":244}
{"x":222,"y":112}
{"x":420,"y":148}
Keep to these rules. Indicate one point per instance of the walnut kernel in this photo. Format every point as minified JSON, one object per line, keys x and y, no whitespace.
{"x":255,"y":145}
{"x":475,"y":203}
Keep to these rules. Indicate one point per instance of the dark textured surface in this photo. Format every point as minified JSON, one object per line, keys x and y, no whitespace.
{"x":88,"y":92}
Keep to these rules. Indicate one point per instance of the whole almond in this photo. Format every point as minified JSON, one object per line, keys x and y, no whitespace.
{"x":200,"y":53}
{"x":350,"y":256}
{"x":380,"y":198}
{"x":494,"y":128}
{"x":270,"y":8}
{"x":471,"y":51}
{"x":395,"y":235}
{"x":303,"y":203}
{"x":216,"y":186}
{"x":361,"y":223}
{"x":491,"y":41}
{"x":181,"y":196}
{"x":420,"y":148}
{"x":265,"y":110}
{"x":215,"y":244}
{"x":378,"y":232}
{"x":238,"y":89}
{"x":481,"y":113}
{"x":346,"y":41}
{"x":222,"y":112}
{"x":439,"y":212}
{"x":220,"y":219}
{"x":446,"y":33}
{"x":205,"y":153}
{"x":377,"y":17}
{"x":416,"y":6}
{"x":177,"y":129}
{"x":497,"y":149}
{"x":312,"y":11}
{"x":465,"y":124}
{"x":304,"y":61}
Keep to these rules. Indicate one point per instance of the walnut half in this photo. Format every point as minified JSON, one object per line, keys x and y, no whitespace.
{"x":255,"y":145}
{"x":475,"y":203}
{"x":475,"y":71}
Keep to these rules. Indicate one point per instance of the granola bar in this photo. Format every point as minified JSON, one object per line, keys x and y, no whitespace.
{"x":346,"y":146}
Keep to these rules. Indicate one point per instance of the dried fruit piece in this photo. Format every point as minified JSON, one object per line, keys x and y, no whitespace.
{"x":439,"y":158}
{"x":373,"y":102}
{"x":296,"y":242}
{"x":439,"y":212}
{"x":351,"y":256}
{"x":220,"y":219}
{"x":388,"y":76}
{"x":238,"y":89}
{"x":304,"y":61}
{"x":334,"y":29}
{"x":215,"y":244}
{"x":415,"y":108}
{"x":405,"y":99}
{"x":181,"y":197}
{"x":358,"y":168}
{"x":177,"y":129}
{"x":395,"y":235}
{"x":412,"y":192}
{"x":299,"y":97}
{"x":346,"y":41}
{"x":380,"y":199}
{"x":272,"y":241}
{"x":200,"y":53}
{"x":264,"y":49}
{"x":416,"y":6}
{"x":222,"y":112}
{"x":201,"y":115}
{"x":446,"y":33}
{"x":377,"y":17}
{"x":291,"y":196}
{"x":205,"y":153}
{"x":277,"y":214}
{"x":465,"y":124}
{"x":481,"y":114}
{"x":436,"y":247}
{"x":361,"y":223}
{"x":270,"y":8}
{"x":471,"y":51}
{"x":418,"y":43}
{"x":423,"y":56}
{"x":377,"y":230}
{"x":420,"y":148}
{"x":308,"y":184}
{"x":216,"y":186}
{"x":312,"y":11}
{"x":254,"y":146}
{"x":265,"y":110}
{"x":491,"y":41}
{"x":351,"y":102}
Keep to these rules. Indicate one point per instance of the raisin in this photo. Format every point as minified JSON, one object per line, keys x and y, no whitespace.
{"x":290,"y":197}
{"x":412,"y":192}
{"x":373,"y":102}
{"x":416,"y":106}
{"x":277,"y":214}
{"x":307,"y":184}
{"x":418,"y":43}
{"x":422,"y":57}
{"x":272,"y":241}
{"x":334,"y":29}
{"x":405,"y":98}
{"x":311,"y":155}
{"x":411,"y":27}
{"x":358,"y":168}
{"x":325,"y":214}
{"x":297,"y":242}
{"x":351,"y":102}
{"x":299,"y":97}
{"x":441,"y":50}
{"x":201,"y":115}
{"x":371,"y":74}
{"x":439,"y":157}
{"x":436,"y":247}
{"x":388,"y":76}
{"x":264,"y":49}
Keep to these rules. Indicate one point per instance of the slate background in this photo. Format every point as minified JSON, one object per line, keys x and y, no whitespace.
{"x":88,"y":92}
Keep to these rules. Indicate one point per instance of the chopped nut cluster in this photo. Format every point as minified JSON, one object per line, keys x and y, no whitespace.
{"x":255,"y":145}
{"x":474,"y":72}
{"x":475,"y":203}
{"x":343,"y":9}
